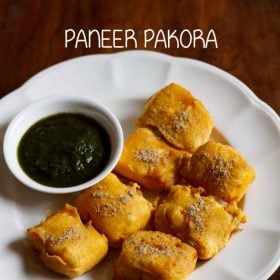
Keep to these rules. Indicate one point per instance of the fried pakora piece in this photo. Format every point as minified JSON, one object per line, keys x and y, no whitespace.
{"x":198,"y":220}
{"x":66,"y":245}
{"x":179,"y":117}
{"x":114,"y":208}
{"x":150,"y":161}
{"x":221,"y":170}
{"x":155,"y":255}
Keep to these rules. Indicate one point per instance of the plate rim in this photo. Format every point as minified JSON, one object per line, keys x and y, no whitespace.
{"x":247,"y":92}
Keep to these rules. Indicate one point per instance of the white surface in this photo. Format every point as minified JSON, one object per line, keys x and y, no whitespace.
{"x":123,"y":82}
{"x":52,"y":105}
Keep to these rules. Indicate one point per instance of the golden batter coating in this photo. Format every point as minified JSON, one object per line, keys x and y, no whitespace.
{"x":154,"y":255}
{"x":150,"y":161}
{"x":179,"y":117}
{"x":114,"y":208}
{"x":221,"y":170}
{"x":66,"y":245}
{"x":198,"y":220}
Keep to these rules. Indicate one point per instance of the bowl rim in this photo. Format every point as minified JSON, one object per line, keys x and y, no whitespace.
{"x":53,"y":99}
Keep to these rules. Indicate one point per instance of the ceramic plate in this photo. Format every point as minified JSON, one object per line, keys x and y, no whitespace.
{"x":123,"y":82}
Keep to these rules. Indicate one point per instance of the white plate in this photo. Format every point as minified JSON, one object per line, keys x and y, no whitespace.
{"x":123,"y":82}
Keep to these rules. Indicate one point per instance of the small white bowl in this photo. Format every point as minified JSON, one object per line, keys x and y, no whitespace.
{"x":53,"y":105}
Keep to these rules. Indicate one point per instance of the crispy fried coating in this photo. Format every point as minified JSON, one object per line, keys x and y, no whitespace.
{"x":198,"y":220}
{"x":221,"y":170}
{"x":179,"y":117}
{"x":155,"y":255}
{"x":66,"y":245}
{"x":114,"y":208}
{"x":150,"y":161}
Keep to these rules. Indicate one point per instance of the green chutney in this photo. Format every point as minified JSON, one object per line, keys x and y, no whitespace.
{"x":64,"y":150}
